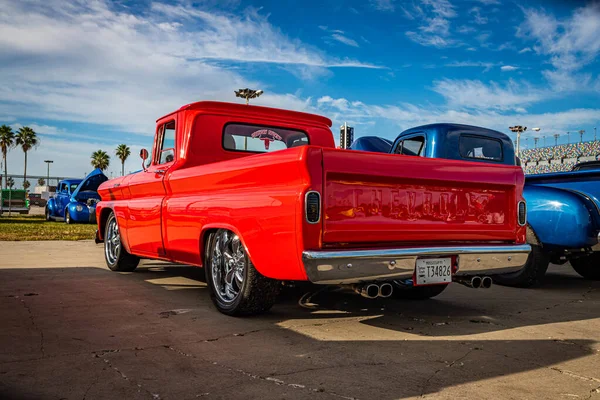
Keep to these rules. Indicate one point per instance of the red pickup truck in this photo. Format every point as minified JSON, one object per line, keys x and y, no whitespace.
{"x":258,"y":196}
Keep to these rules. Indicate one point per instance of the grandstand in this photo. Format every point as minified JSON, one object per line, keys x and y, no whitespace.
{"x":558,"y":158}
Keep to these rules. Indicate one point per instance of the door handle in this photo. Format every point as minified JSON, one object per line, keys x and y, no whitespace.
{"x":160,"y":171}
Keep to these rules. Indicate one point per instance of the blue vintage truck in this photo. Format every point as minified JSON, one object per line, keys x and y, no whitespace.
{"x":563,"y":209}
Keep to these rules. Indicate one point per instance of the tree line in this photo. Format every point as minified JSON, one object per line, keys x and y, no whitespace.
{"x":27,"y":139}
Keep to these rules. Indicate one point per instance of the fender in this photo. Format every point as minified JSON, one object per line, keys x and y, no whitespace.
{"x":52,"y":207}
{"x":561,"y":218}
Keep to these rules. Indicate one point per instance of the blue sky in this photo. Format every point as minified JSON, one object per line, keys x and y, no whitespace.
{"x":89,"y":75}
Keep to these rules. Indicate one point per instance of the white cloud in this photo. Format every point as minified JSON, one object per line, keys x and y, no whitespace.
{"x":383,"y":5}
{"x":89,"y":63}
{"x":434,"y":23}
{"x":489,"y":2}
{"x":473,"y":94}
{"x":466,"y":29}
{"x":509,"y":68}
{"x":345,"y":40}
{"x":525,"y":50}
{"x":461,"y":64}
{"x":362,"y":116}
{"x":570,"y":44}
{"x":477,"y":17}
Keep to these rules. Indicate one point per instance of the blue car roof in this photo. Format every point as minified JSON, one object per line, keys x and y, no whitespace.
{"x":445,"y":126}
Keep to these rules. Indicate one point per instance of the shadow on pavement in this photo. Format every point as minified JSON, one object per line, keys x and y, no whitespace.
{"x":81,"y":332}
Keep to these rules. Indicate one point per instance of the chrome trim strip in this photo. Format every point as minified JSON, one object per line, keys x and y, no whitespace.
{"x":352,"y":266}
{"x":306,"y":207}
{"x":518,"y":213}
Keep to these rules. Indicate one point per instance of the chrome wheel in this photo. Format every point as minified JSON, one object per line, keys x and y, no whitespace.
{"x":67,"y":216}
{"x":112,"y":241}
{"x":228,"y":264}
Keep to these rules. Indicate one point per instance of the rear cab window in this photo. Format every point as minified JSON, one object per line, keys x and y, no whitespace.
{"x":261,"y":139}
{"x":412,"y":146}
{"x":480,"y":148}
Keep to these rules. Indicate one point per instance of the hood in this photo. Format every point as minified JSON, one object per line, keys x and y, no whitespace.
{"x":91,"y":182}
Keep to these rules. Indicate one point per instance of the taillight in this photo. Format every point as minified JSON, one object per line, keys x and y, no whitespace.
{"x":313,"y":207}
{"x":522,"y":213}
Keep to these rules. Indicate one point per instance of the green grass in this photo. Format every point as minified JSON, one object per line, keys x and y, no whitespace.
{"x":35,"y":227}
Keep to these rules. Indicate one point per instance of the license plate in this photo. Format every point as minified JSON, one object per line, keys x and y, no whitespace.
{"x":431,"y":271}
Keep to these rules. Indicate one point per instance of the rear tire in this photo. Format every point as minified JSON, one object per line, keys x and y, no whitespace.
{"x":47,"y":214}
{"x":532,"y":274}
{"x":418,"y":292}
{"x":588,"y":267}
{"x":117,"y":258}
{"x":236,"y":287}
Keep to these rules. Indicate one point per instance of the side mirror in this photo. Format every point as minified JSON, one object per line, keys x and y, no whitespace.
{"x":144,"y":157}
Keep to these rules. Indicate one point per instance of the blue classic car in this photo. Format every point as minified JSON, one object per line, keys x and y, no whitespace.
{"x":563,"y":209}
{"x":75,"y":199}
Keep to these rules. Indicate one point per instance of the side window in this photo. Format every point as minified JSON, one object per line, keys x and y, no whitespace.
{"x":414,"y":146}
{"x":166,"y":149}
{"x":64,"y":188}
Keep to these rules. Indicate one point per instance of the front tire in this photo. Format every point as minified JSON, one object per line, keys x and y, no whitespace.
{"x":68,"y":219}
{"x":417,"y":292}
{"x":588,"y":266}
{"x":236,"y":287}
{"x":117,"y":258}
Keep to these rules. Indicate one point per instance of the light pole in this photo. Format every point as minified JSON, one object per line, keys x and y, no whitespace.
{"x":535,"y":140}
{"x":568,"y":137}
{"x":248,"y":94}
{"x":518,"y":129}
{"x":544,"y":137}
{"x":48,"y":162}
{"x":556,"y":136}
{"x":581,"y":132}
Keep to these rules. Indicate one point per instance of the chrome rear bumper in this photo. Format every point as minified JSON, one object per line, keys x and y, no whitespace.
{"x":352,"y":266}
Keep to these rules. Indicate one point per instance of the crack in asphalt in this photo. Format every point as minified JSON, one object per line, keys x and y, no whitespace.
{"x":450,"y":365}
{"x":575,"y":375}
{"x":91,"y":385}
{"x":271,"y":379}
{"x":34,"y":324}
{"x":365,"y":364}
{"x":154,"y":396}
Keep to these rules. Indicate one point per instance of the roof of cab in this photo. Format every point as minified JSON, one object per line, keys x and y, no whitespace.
{"x":444,"y":127}
{"x":237,"y":109}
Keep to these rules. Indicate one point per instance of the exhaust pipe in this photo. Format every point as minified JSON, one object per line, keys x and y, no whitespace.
{"x":369,"y":291}
{"x":472,"y":282}
{"x":486,"y":282}
{"x":385,"y":290}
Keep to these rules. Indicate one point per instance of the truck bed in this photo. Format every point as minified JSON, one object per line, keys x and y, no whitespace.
{"x":378,"y":199}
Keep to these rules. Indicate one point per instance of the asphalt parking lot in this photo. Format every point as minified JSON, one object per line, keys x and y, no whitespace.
{"x":71,"y":329}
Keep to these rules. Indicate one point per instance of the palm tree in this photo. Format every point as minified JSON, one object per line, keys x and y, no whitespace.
{"x":100,"y":159}
{"x":10,"y":182}
{"x":27,"y":139}
{"x":41,"y":182}
{"x":7,"y":140}
{"x":123,"y":152}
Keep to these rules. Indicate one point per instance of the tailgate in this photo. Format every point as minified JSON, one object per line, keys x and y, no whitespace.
{"x":380,"y":199}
